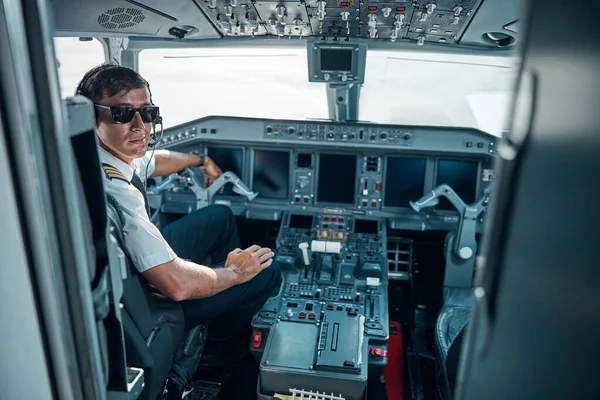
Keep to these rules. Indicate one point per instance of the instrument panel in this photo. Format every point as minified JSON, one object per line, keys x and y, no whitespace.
{"x":341,"y":168}
{"x":336,"y":188}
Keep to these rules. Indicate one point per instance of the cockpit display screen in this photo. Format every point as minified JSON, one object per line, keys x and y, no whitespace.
{"x":459,"y":175}
{"x":336,"y":60}
{"x":301,"y":221}
{"x":404,"y":181}
{"x":337,"y":178}
{"x":366,"y":226}
{"x":228,"y":159}
{"x":271,"y":176}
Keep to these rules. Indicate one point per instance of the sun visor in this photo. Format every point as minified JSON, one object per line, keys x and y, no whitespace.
{"x":116,"y":18}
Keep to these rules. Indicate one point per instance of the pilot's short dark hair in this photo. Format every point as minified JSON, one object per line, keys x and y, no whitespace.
{"x":110,"y":79}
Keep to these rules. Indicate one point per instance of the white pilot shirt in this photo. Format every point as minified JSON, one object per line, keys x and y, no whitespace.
{"x":145,"y":244}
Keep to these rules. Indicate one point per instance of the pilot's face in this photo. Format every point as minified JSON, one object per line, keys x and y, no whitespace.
{"x":127,"y":140}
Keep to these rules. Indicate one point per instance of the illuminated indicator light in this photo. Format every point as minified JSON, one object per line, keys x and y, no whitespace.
{"x":257,"y":340}
{"x":372,"y":9}
{"x":345,"y":4}
{"x":378,"y":186}
{"x":380,"y":352}
{"x":401,"y":9}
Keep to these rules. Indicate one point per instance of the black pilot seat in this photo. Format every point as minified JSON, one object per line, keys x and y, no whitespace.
{"x":153,"y":327}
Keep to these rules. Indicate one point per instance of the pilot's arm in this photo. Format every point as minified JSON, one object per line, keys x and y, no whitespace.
{"x":168,"y":162}
{"x":173,"y":276}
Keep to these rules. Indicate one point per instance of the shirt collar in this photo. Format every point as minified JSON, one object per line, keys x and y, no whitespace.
{"x":125,"y":169}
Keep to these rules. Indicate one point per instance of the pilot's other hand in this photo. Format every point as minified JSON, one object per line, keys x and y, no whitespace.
{"x":249,"y":262}
{"x":211,"y":171}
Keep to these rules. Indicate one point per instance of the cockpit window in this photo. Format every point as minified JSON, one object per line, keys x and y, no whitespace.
{"x":244,"y":82}
{"x":437,"y":89}
{"x":408,"y":88}
{"x":74,"y":58}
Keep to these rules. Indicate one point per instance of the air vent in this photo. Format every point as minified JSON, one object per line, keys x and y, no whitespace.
{"x":399,"y":256}
{"x":120,"y":18}
{"x":498,"y":39}
{"x":371,"y":164}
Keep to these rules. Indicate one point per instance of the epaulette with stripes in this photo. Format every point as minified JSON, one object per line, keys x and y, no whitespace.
{"x":113,"y":173}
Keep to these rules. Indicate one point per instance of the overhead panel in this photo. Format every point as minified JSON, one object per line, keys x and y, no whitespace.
{"x":440,"y":21}
{"x":288,"y":18}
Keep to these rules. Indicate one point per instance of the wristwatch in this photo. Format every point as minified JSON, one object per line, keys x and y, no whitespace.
{"x":202,"y":158}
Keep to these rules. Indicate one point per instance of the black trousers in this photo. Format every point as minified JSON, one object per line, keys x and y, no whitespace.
{"x":212,"y":231}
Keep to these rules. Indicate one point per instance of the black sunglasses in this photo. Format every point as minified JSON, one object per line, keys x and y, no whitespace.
{"x":124,"y":114}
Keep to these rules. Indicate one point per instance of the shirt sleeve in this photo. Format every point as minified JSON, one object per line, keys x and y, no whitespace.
{"x":144,"y":242}
{"x":149,"y":161}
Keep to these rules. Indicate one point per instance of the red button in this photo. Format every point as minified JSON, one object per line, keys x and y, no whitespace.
{"x":302,"y":315}
{"x":372,"y":9}
{"x":340,"y":219}
{"x":379,"y":352}
{"x":345,"y":4}
{"x":378,"y":186}
{"x":257,"y":340}
{"x":400,"y":10}
{"x":326,"y":219}
{"x":333,"y":219}
{"x":330,"y":306}
{"x":374,"y":204}
{"x":312,"y":315}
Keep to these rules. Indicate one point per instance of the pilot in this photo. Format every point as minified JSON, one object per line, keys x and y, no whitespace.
{"x":239,"y":282}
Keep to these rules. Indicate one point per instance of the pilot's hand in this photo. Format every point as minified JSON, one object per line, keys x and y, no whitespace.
{"x":248,"y":263}
{"x":211,"y":171}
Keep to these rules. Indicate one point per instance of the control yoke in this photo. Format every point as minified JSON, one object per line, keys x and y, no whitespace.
{"x":204,"y":195}
{"x":464,"y":243}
